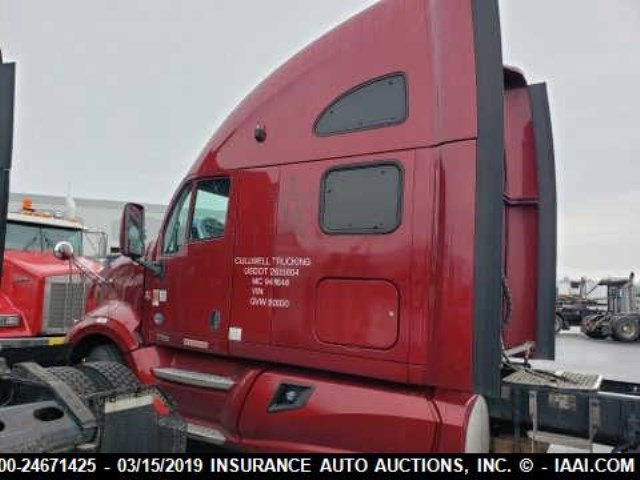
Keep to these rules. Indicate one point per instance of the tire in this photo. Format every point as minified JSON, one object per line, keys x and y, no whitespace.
{"x":116,"y":375}
{"x":559,"y":324}
{"x":626,"y":329}
{"x":105,"y":353}
{"x":588,"y":328}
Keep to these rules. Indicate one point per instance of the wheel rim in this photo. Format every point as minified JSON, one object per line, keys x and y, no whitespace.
{"x":627,"y":330}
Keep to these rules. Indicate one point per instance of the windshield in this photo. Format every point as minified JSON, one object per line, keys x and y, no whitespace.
{"x":37,"y":238}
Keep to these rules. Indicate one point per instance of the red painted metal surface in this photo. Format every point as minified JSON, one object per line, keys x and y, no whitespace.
{"x":521,"y":217}
{"x":357,"y":313}
{"x":339,"y":417}
{"x":430,"y":41}
{"x":454,"y":408}
{"x":115,"y":321}
{"x":114,"y":310}
{"x":442,"y":329}
{"x":255,"y":244}
{"x":324,"y":256}
{"x":23,"y":288}
{"x":290,"y":294}
{"x":200,"y":272}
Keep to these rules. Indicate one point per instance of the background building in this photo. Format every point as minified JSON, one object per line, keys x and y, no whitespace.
{"x":101,"y":215}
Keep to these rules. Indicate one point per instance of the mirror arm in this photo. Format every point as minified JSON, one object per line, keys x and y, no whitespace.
{"x":157,"y":268}
{"x":87,"y":271}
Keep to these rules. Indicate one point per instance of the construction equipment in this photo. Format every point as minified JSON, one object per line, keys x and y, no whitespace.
{"x":573,"y":307}
{"x":621,"y":320}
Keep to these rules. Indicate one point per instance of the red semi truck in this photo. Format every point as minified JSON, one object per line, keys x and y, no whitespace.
{"x":40,"y":298}
{"x":95,"y":407}
{"x":358,"y":253}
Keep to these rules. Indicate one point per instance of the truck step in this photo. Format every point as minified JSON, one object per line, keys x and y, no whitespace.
{"x":557,"y":380}
{"x":205,"y":434}
{"x":195,"y":379}
{"x":557,"y":439}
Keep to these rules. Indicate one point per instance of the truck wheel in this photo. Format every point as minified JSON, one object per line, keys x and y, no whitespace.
{"x":589,"y":327}
{"x":626,"y":329}
{"x":559,"y":323}
{"x":105,"y":353}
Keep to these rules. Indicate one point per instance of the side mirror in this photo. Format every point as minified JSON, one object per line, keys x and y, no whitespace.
{"x":63,"y":251}
{"x":132,"y":231}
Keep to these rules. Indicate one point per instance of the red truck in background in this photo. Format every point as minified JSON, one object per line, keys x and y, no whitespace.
{"x":95,"y":407}
{"x":40,"y":297}
{"x":358,"y":254}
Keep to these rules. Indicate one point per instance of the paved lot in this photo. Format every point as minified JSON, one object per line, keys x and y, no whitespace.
{"x":614,"y":360}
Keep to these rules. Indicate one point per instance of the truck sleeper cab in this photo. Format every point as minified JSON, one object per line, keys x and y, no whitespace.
{"x":331,"y":272}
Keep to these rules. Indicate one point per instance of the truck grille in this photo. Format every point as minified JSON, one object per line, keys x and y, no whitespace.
{"x":64,"y":299}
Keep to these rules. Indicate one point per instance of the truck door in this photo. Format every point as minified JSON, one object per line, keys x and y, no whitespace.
{"x":190,"y":304}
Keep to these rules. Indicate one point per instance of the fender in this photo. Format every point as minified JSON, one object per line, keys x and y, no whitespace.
{"x":115,"y":320}
{"x":465,"y":422}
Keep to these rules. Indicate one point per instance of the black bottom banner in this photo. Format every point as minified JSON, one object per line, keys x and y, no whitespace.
{"x":383,"y":466}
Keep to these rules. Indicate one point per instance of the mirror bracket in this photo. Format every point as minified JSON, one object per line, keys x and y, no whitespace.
{"x":156,"y":268}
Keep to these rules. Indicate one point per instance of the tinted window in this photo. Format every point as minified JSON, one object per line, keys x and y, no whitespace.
{"x":210,"y":210}
{"x":363,"y":199}
{"x":176,"y":230}
{"x":34,"y":238}
{"x":379,"y":103}
{"x":51,"y":236}
{"x":23,"y":237}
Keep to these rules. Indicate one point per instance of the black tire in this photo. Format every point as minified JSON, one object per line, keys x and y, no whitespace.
{"x":115,"y":374}
{"x":559,"y":323}
{"x":105,"y":353}
{"x":626,"y":329}
{"x":588,"y":326}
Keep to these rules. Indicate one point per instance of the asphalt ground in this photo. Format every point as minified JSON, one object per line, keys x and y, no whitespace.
{"x":578,"y":353}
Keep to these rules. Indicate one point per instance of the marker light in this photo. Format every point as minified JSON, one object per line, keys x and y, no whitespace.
{"x":9,"y":321}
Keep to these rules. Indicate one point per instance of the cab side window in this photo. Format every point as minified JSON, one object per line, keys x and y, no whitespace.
{"x":210,"y":210}
{"x":362,"y":199}
{"x":175,"y":233}
{"x":379,"y":103}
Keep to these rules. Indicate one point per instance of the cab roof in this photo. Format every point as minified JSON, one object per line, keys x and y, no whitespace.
{"x":39,"y":219}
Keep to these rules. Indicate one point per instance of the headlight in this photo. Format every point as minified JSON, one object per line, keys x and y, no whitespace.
{"x":9,"y":320}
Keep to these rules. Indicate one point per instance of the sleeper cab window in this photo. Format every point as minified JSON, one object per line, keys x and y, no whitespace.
{"x":210,"y":209}
{"x":381,"y":102}
{"x":362,"y":199}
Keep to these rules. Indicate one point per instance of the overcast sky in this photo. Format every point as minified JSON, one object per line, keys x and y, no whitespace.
{"x":117,"y":97}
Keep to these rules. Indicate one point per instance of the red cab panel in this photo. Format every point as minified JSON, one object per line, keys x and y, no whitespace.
{"x":336,"y":416}
{"x":521,"y":218}
{"x":357,"y":313}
